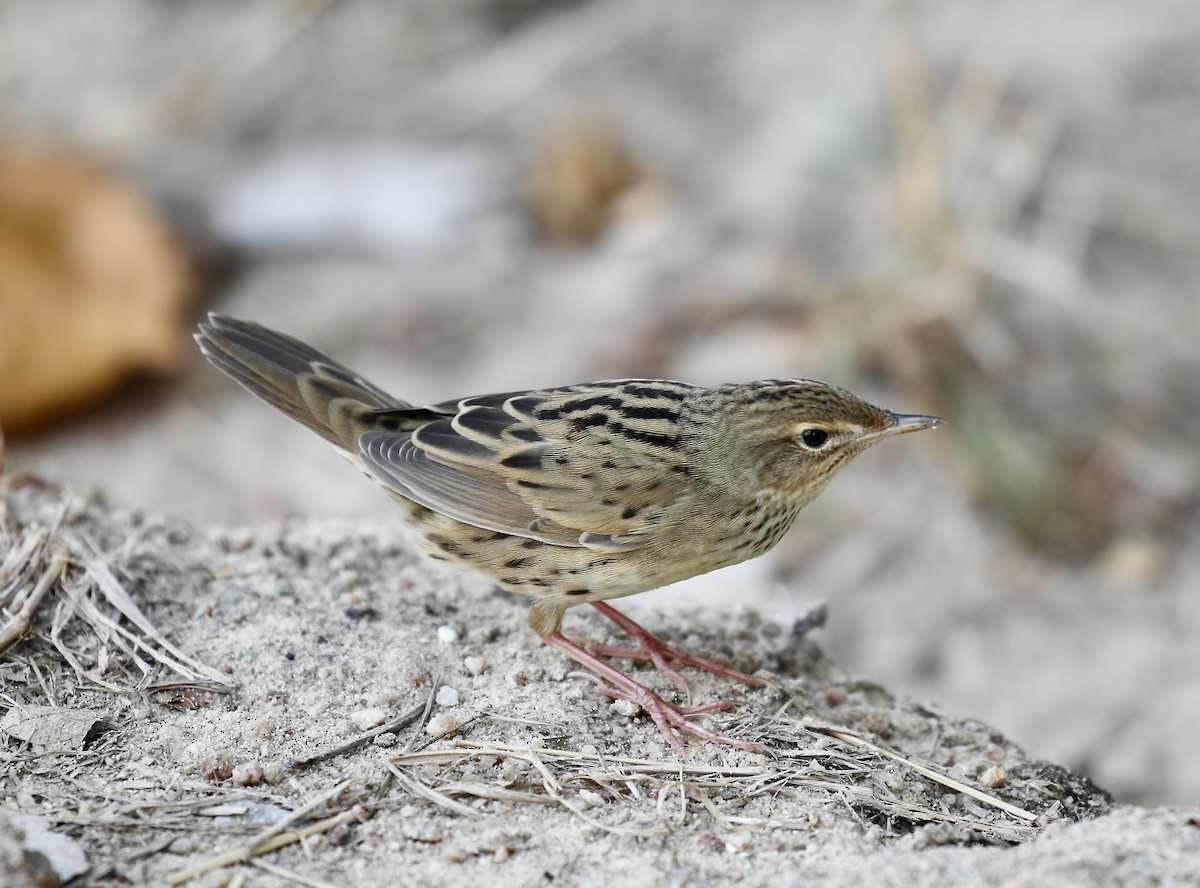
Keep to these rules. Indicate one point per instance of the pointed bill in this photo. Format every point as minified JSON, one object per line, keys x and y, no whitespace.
{"x":903,"y":423}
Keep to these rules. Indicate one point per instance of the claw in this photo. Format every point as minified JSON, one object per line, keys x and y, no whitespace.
{"x":670,"y":719}
{"x":659,"y":652}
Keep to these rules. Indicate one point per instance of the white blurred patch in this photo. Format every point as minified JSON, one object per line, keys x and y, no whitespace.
{"x":380,"y":198}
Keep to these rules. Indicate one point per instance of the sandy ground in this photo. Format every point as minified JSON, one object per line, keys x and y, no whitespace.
{"x":248,"y":653}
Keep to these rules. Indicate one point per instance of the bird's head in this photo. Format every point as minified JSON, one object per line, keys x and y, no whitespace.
{"x":797,"y":433}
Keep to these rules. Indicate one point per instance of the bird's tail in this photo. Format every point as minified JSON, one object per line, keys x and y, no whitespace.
{"x":295,"y":379}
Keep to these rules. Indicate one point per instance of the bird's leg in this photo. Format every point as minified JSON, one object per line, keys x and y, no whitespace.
{"x":659,"y":652}
{"x":670,"y":719}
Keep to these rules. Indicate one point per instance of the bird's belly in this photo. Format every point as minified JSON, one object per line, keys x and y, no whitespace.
{"x":576,"y":575}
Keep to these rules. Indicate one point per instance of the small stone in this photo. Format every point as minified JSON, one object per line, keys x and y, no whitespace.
{"x":382,"y":698}
{"x":447,"y":634}
{"x":421,"y":829}
{"x":365,"y":719}
{"x":447,"y":696}
{"x":590,"y":798}
{"x":994,"y":777}
{"x":184,"y":845}
{"x":274,"y":773}
{"x":341,"y":835}
{"x":215,"y":768}
{"x":388,"y":739}
{"x":442,"y":723}
{"x":588,"y":749}
{"x":248,"y":774}
{"x":474,"y":665}
{"x":626,"y":708}
{"x":712,"y":844}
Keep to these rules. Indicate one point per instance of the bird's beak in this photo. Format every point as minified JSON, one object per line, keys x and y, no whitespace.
{"x":902,"y":424}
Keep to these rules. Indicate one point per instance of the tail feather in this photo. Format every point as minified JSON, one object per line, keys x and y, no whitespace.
{"x":295,"y":379}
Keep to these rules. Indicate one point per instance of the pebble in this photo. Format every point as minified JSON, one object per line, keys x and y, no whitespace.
{"x":215,"y":768}
{"x":248,"y":774}
{"x":382,"y":698}
{"x":474,"y":665}
{"x":184,"y":845}
{"x":994,"y":777}
{"x":447,"y":634}
{"x":447,"y":696}
{"x":590,"y":798}
{"x":442,"y":723}
{"x":626,"y":708}
{"x":365,"y":719}
{"x":274,"y":772}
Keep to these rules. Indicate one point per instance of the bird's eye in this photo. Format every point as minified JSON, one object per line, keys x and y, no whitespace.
{"x":814,"y":439}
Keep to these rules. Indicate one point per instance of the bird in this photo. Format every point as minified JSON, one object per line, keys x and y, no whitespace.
{"x":581,"y":493}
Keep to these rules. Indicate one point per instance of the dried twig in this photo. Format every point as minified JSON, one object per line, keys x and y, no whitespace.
{"x":246,"y":852}
{"x":399,"y":722}
{"x":290,"y":875}
{"x":828,"y":771}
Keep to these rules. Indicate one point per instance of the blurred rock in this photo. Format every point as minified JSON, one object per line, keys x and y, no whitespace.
{"x":33,"y":855}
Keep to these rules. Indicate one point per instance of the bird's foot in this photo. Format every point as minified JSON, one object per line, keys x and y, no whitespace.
{"x":671,"y":720}
{"x":659,"y":652}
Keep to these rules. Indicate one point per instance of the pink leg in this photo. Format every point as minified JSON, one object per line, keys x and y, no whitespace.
{"x":659,"y":652}
{"x":670,"y":719}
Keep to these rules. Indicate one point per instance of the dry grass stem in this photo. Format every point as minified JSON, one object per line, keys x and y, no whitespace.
{"x":847,"y":776}
{"x":421,"y":710}
{"x":17,"y":627}
{"x":94,"y":625}
{"x":246,"y":852}
{"x":289,"y":875}
{"x":926,"y":771}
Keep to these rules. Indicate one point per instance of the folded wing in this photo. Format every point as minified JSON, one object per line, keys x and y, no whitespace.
{"x":586,"y":466}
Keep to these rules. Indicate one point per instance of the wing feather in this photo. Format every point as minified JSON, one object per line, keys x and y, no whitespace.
{"x":568,"y":466}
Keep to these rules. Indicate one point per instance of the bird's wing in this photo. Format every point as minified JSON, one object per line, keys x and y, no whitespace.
{"x":593,"y":466}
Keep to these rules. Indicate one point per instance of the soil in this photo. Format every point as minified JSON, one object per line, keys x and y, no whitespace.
{"x":185,"y":690}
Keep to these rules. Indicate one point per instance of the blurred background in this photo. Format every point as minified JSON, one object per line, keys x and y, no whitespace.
{"x":984,"y":210}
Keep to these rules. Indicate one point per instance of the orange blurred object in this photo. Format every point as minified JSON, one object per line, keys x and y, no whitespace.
{"x":92,"y":286}
{"x":578,"y":182}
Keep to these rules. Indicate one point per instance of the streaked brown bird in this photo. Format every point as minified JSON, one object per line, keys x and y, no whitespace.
{"x":581,"y":493}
